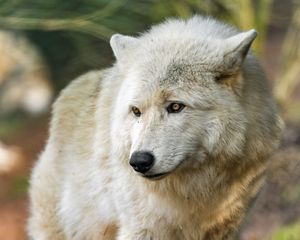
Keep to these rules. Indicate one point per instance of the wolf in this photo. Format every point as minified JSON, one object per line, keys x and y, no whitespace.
{"x":169,"y":143}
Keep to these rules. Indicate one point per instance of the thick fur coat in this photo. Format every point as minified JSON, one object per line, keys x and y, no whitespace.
{"x":210,"y":155}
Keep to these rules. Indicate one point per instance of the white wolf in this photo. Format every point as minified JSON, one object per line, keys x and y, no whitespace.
{"x":169,"y":143}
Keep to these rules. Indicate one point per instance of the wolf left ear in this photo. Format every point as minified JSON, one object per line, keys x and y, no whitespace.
{"x":122,"y":45}
{"x":237,"y":47}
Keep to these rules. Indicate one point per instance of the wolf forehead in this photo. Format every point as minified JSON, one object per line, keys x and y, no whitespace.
{"x":175,"y":81}
{"x":173,"y":60}
{"x":178,"y":73}
{"x":171,"y":75}
{"x":182,"y":51}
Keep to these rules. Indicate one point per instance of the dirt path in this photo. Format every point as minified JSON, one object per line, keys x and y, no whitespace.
{"x":13,"y":185}
{"x":12,"y":219}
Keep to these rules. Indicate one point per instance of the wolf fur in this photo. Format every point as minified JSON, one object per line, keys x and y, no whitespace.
{"x":214,"y":150}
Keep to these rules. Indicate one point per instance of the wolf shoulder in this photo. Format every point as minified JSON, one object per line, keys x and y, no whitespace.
{"x":73,"y":112}
{"x":75,"y":97}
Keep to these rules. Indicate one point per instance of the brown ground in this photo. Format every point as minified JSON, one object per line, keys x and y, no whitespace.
{"x":13,"y":185}
{"x":278,"y":203}
{"x":12,"y":219}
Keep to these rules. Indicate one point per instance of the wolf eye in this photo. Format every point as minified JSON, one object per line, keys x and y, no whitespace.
{"x":222,"y":77}
{"x":136,"y":111}
{"x":175,"y":107}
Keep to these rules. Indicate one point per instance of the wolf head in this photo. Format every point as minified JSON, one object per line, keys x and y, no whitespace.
{"x":180,"y":99}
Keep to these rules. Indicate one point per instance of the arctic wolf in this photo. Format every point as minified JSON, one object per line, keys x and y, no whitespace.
{"x":170,"y":143}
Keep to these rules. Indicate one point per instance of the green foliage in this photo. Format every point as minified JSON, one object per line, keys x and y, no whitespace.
{"x":101,"y":18}
{"x":290,"y":232}
{"x":94,"y":17}
{"x":78,"y":26}
{"x":291,"y":193}
{"x":11,"y":124}
{"x":20,"y":186}
{"x":287,"y":80}
{"x":73,"y":35}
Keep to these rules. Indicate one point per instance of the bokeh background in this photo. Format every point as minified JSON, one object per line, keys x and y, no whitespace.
{"x":45,"y":44}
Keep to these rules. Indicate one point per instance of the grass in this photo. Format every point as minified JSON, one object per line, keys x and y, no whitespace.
{"x":9,"y":128}
{"x":291,"y":193}
{"x":290,"y":232}
{"x":20,"y":186}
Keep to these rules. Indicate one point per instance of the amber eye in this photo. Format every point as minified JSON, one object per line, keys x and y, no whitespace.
{"x":136,"y":111}
{"x":175,"y":107}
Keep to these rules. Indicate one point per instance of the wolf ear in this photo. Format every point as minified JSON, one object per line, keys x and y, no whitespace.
{"x":237,"y":47}
{"x":122,"y":45}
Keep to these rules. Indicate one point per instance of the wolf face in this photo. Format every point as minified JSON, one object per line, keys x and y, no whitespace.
{"x":180,"y":99}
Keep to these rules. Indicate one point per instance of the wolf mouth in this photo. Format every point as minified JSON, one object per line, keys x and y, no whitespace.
{"x":156,"y":176}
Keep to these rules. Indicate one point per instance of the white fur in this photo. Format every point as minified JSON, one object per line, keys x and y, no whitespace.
{"x":83,"y":185}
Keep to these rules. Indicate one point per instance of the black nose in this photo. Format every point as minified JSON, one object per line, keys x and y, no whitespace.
{"x":142,"y":161}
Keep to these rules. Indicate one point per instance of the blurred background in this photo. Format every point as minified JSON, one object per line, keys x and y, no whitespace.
{"x":45,"y":44}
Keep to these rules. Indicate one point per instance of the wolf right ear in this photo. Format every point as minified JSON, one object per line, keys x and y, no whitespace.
{"x":237,"y":46}
{"x":122,"y":45}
